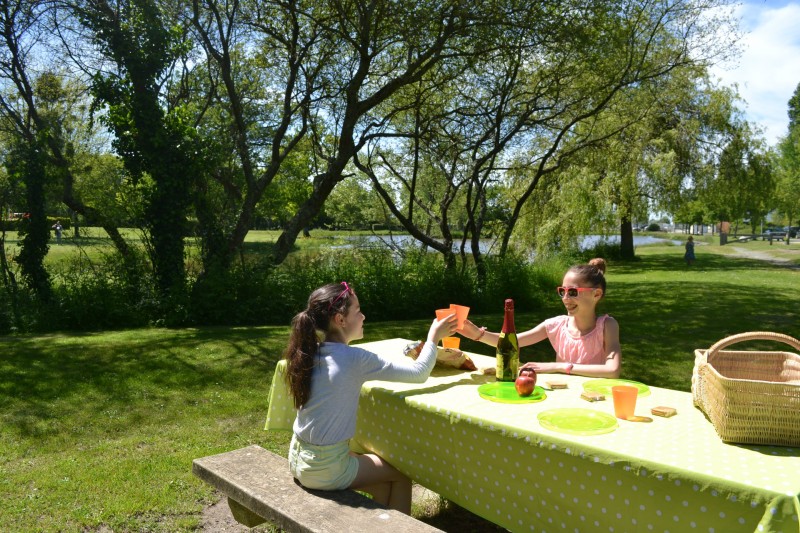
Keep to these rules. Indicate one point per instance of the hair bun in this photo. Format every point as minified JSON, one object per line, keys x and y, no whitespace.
{"x":599,"y":263}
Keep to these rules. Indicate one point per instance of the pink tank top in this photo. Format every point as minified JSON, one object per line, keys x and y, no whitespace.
{"x":585,"y":349}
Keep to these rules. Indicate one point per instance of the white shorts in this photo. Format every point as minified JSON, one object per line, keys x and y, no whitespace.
{"x":329,"y":467}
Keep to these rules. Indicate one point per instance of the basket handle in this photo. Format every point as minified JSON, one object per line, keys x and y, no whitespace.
{"x":752,"y":336}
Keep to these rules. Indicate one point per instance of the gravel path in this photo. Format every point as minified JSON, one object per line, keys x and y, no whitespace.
{"x":764,"y":256}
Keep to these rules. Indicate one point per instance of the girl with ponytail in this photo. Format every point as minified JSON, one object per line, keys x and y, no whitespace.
{"x":585,"y":344}
{"x":324,"y":375}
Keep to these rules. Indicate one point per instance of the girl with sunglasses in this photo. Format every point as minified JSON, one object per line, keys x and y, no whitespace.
{"x":585,"y":344}
{"x":324,"y":375}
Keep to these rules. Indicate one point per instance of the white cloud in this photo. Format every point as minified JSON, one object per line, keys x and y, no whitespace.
{"x":769,"y":69}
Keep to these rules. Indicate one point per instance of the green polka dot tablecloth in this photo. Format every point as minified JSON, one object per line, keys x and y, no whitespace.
{"x":496,"y":460}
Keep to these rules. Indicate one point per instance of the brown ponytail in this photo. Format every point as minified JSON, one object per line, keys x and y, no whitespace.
{"x":592,"y":273}
{"x":300,"y":354}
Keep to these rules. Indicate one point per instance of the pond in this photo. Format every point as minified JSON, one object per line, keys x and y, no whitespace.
{"x":587,"y":241}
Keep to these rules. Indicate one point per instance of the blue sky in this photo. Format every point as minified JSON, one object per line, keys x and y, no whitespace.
{"x":768,"y":70}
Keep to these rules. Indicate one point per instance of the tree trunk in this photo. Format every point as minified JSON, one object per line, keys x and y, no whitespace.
{"x":626,"y":239}
{"x":34,"y":245}
{"x":9,"y":281}
{"x":305,"y":214}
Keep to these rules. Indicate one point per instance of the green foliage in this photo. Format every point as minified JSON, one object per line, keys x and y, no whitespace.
{"x":745,"y":185}
{"x":110,"y":294}
{"x":26,"y":164}
{"x":787,"y":165}
{"x":354,"y":205}
{"x":389,"y":287}
{"x":114,"y":293}
{"x":606,"y":250}
{"x":143,"y":43}
{"x":794,"y":109}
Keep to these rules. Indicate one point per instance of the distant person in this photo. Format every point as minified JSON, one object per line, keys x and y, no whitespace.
{"x":585,"y":344}
{"x":689,"y":255}
{"x":57,"y":226}
{"x":325,"y":376}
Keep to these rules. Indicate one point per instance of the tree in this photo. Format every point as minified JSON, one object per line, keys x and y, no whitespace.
{"x":352,"y":205}
{"x":518,"y":115}
{"x":268,"y":119}
{"x":382,"y":47}
{"x":41,"y":108}
{"x":143,"y":45}
{"x":743,"y":186}
{"x":25,"y":163}
{"x":677,"y":128}
{"x":787,"y":164}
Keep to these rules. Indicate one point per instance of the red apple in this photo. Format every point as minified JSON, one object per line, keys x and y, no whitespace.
{"x":526,"y":382}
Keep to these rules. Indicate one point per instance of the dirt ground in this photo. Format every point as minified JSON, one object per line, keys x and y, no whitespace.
{"x":217,"y":518}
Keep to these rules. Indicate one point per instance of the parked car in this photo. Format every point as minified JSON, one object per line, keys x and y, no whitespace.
{"x":774,"y":233}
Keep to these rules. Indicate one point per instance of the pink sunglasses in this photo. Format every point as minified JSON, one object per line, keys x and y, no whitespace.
{"x":572,"y":292}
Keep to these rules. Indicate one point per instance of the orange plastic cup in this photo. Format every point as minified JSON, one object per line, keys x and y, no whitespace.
{"x":624,"y":400}
{"x":461,"y":312}
{"x":451,"y":342}
{"x":443,"y":313}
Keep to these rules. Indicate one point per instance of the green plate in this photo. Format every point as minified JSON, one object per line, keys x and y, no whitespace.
{"x":603,"y":386}
{"x":578,"y":421}
{"x":505,"y":392}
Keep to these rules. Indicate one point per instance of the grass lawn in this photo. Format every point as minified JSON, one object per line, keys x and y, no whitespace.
{"x":100,"y":429}
{"x":93,"y":243}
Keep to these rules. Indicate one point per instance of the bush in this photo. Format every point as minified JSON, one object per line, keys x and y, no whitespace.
{"x":20,"y":224}
{"x":606,"y":250}
{"x":653,"y":227}
{"x":113,"y":294}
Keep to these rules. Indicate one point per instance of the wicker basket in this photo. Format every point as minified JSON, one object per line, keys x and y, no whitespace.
{"x":751,"y":397}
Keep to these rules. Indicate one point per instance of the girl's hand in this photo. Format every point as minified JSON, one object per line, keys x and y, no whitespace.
{"x":531,"y":366}
{"x":543,"y":368}
{"x":442,"y":328}
{"x":470,"y":330}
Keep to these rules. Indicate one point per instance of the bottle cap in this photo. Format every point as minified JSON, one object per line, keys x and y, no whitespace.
{"x":509,"y":304}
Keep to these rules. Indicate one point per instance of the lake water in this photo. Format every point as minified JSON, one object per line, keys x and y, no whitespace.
{"x":587,"y":241}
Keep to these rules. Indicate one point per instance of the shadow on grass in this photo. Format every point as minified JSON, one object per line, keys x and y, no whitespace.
{"x":663,"y":321}
{"x":704,"y":262}
{"x":42,"y":382}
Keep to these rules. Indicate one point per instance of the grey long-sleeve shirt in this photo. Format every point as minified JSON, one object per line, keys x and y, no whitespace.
{"x":329,"y":415}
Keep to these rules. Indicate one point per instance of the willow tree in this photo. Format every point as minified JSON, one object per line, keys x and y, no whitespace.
{"x":665,"y":138}
{"x":515,"y":116}
{"x":610,"y":150}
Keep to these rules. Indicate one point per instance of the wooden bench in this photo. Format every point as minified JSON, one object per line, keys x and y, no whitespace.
{"x":260,"y":488}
